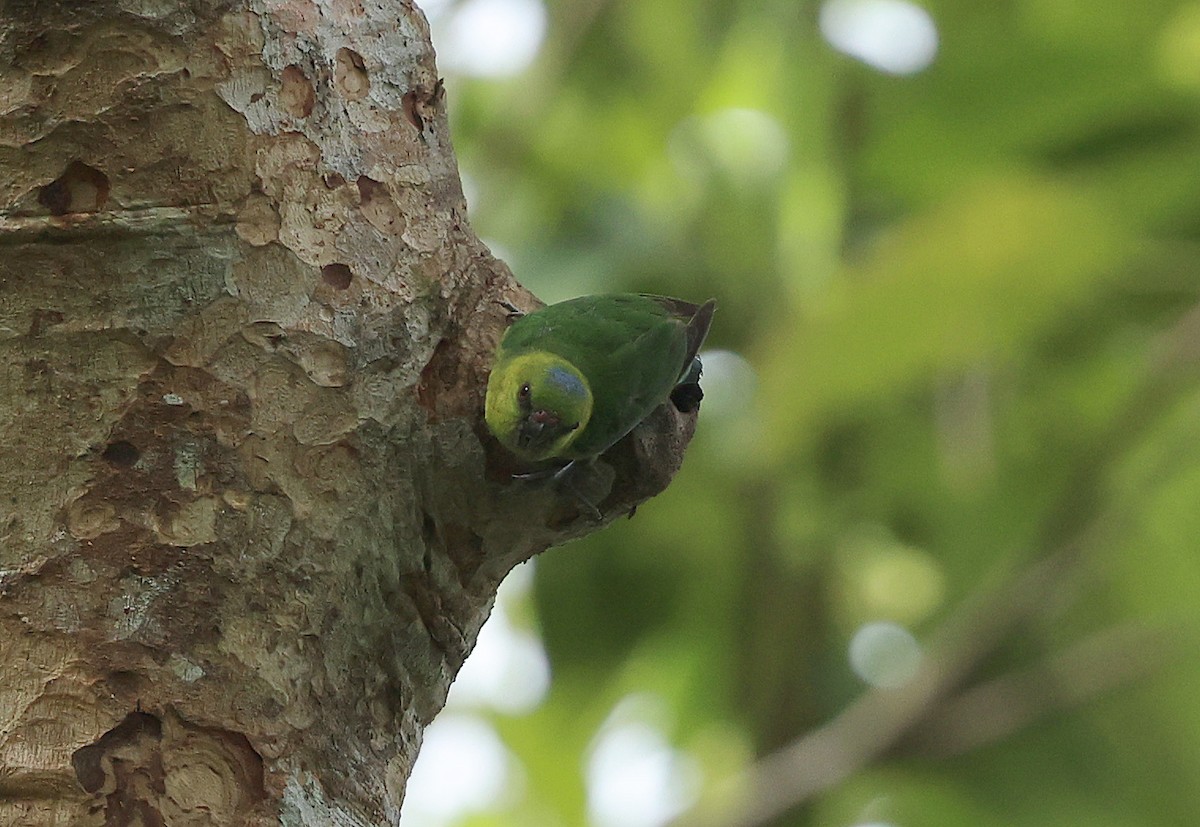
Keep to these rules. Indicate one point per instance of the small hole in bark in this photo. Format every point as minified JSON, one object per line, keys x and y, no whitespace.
{"x":336,"y":276}
{"x":377,"y":206}
{"x":121,"y":452}
{"x":412,"y":111}
{"x":123,"y":682}
{"x":296,"y":94}
{"x":350,"y":74}
{"x":86,"y":761}
{"x":79,"y":189}
{"x":369,"y":189}
{"x":416,"y":101}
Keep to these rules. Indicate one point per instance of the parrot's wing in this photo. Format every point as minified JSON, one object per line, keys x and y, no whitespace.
{"x":698,"y":318}
{"x":697,"y":330}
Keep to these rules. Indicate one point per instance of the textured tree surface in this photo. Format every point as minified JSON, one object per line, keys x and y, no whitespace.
{"x":250,"y":522}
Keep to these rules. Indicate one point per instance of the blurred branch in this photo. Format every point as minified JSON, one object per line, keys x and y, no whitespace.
{"x":1001,"y":707}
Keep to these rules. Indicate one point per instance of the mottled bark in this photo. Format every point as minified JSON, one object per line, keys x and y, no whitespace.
{"x":250,"y":521}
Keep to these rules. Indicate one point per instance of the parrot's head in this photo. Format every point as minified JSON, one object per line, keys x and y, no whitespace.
{"x":537,"y":404}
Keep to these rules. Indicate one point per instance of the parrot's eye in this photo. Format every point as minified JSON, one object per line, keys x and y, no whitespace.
{"x":523,"y":393}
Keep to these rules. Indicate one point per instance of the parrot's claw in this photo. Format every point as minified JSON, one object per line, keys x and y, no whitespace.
{"x":538,"y":476}
{"x":514,"y":312}
{"x":556,"y":474}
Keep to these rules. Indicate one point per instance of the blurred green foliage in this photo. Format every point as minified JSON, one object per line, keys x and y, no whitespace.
{"x":967,"y":304}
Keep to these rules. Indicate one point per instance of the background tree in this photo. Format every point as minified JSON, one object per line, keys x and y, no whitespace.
{"x":249,"y":528}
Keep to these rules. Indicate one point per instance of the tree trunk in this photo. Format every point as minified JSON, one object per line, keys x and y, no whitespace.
{"x":250,"y":521}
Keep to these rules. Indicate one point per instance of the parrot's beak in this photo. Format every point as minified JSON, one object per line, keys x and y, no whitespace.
{"x":539,"y":430}
{"x":535,"y":428}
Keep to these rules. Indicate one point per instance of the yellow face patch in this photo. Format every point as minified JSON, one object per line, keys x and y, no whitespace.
{"x":543,"y":388}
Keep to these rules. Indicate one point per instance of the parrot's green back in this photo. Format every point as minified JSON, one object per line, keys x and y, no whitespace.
{"x":631,"y":349}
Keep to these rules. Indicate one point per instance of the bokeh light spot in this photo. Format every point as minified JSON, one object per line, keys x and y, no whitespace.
{"x":893,"y":36}
{"x":748,"y":146}
{"x":635,"y":778}
{"x":489,"y":38}
{"x":729,"y":383}
{"x":884,"y":654}
{"x":883,"y":578}
{"x":463,"y":768}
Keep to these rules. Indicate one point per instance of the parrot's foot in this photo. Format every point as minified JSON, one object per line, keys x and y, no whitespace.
{"x":567,"y":478}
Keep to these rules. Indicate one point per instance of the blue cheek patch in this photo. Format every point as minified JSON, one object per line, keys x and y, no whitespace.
{"x":566,"y":381}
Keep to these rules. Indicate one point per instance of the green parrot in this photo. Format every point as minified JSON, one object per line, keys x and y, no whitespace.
{"x":571,"y":379}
